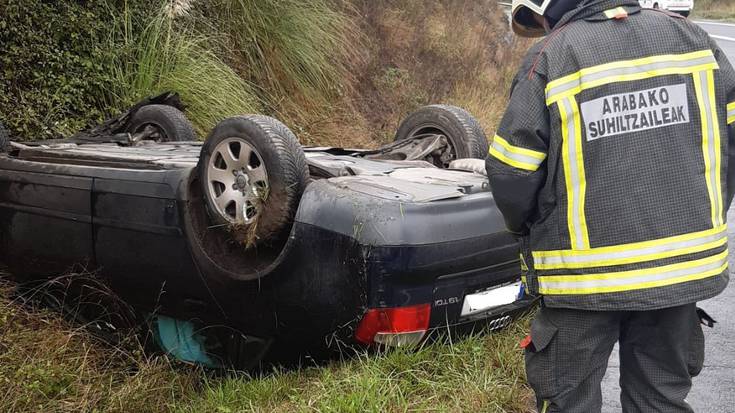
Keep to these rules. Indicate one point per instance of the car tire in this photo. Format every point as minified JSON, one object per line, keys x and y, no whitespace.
{"x":4,"y":139}
{"x":261,"y":193}
{"x":170,"y":123}
{"x":466,"y":137}
{"x":684,"y":13}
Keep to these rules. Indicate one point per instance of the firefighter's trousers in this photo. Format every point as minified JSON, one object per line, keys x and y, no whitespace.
{"x":660,"y":352}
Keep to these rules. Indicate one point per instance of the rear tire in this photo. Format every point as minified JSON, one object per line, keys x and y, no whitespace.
{"x":253,"y":172}
{"x":170,"y":123}
{"x":466,"y":137}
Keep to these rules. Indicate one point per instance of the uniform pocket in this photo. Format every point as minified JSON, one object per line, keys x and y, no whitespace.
{"x":531,"y":280}
{"x":695,"y":363}
{"x":541,"y":358}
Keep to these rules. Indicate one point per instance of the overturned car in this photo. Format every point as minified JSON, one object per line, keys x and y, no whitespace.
{"x":249,"y":247}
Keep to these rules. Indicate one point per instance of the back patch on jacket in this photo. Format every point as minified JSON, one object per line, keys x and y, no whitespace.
{"x":635,"y":111}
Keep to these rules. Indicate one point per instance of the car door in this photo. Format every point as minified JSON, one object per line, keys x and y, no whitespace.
{"x":45,"y":219}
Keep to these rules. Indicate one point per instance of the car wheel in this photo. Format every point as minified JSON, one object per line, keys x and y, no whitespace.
{"x":253,"y":172}
{"x":655,"y":5}
{"x":4,"y":139}
{"x":684,"y":13}
{"x":466,"y":137}
{"x":161,"y":123}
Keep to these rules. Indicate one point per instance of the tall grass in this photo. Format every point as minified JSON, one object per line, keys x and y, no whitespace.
{"x":170,"y":55}
{"x":288,"y":46}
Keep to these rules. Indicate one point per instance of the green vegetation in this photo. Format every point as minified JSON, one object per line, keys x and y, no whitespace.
{"x":48,"y":365}
{"x":338,"y":73}
{"x":52,"y":70}
{"x":287,"y":46}
{"x":714,"y":9}
{"x":170,"y":55}
{"x":481,"y":373}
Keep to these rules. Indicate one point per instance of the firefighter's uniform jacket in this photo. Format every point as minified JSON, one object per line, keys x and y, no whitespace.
{"x":612,"y":160}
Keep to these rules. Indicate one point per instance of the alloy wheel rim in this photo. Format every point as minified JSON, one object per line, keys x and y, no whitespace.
{"x":237,"y":180}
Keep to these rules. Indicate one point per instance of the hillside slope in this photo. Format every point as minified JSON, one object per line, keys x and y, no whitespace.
{"x":338,"y":73}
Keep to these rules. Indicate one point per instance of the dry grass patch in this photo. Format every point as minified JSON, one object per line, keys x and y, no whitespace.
{"x":414,"y":53}
{"x":714,"y":9}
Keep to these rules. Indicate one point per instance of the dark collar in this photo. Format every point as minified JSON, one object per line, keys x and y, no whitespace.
{"x":595,"y":10}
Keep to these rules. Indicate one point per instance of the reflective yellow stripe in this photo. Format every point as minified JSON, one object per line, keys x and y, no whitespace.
{"x":613,"y":13}
{"x":631,"y":253}
{"x":627,"y":64}
{"x":545,"y":406}
{"x":622,"y":64}
{"x":629,"y":70}
{"x":513,"y":162}
{"x":574,"y":176}
{"x":515,"y":156}
{"x":730,"y":113}
{"x":517,"y":149}
{"x":705,"y":92}
{"x":524,"y":267}
{"x":635,"y":279}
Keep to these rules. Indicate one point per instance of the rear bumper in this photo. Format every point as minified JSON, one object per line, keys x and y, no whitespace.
{"x":373,"y":254}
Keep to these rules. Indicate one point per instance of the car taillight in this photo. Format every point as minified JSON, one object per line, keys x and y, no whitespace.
{"x":397,"y":326}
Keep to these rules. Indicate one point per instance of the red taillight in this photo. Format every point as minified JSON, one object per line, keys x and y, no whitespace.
{"x":410,"y":321}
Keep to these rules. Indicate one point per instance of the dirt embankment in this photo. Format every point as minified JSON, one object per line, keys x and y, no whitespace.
{"x":715,"y":9}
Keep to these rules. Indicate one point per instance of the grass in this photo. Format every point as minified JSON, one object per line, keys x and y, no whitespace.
{"x":170,"y":55}
{"x":481,"y":373}
{"x":287,"y":46}
{"x":47,"y":364}
{"x":714,"y":9}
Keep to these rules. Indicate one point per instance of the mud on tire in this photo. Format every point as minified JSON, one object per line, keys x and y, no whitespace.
{"x":252,"y":171}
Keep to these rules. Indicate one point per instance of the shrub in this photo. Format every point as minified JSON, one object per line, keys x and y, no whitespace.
{"x":52,"y":71}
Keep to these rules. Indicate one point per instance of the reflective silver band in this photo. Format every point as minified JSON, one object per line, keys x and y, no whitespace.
{"x":714,"y":168}
{"x":640,"y":279}
{"x":642,"y":254}
{"x":575,"y":198}
{"x":650,"y":67}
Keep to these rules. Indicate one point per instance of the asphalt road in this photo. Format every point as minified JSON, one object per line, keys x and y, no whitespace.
{"x":714,"y":389}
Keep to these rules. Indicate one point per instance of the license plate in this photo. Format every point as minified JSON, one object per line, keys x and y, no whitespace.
{"x":487,"y":300}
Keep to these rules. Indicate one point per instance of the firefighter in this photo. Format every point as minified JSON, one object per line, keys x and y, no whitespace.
{"x":611,"y":164}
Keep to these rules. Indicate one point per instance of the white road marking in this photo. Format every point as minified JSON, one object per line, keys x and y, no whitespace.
{"x":715,"y":23}
{"x":729,"y":39}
